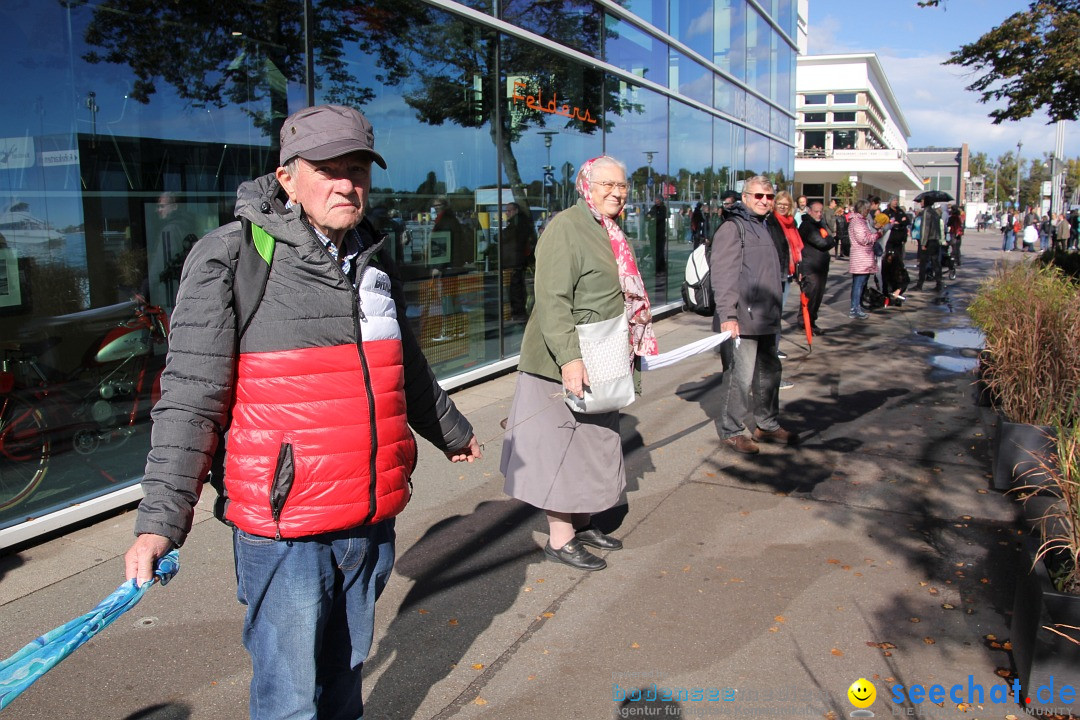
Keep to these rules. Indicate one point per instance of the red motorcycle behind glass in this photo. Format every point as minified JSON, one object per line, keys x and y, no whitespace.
{"x":46,"y":409}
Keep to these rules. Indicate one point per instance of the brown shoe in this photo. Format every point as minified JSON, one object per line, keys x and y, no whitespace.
{"x":742,"y":444}
{"x":779,"y":435}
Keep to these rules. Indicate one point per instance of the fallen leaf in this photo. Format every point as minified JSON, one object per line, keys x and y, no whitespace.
{"x":539,"y":580}
{"x":422,"y":611}
{"x":947,"y":606}
{"x":528,"y":589}
{"x":985,"y":581}
{"x":686,"y":568}
{"x":780,"y":619}
{"x":928,"y":640}
{"x":478,"y":666}
{"x":1002,"y":672}
{"x":833,"y":561}
{"x":480,"y":701}
{"x":453,"y":621}
{"x":1007,"y":645}
{"x":634,"y":646}
{"x":933,"y":591}
{"x":887,"y":653}
{"x":831,"y":715}
{"x":837,"y":653}
{"x":548,"y":614}
{"x":774,"y":629}
{"x":914,"y":619}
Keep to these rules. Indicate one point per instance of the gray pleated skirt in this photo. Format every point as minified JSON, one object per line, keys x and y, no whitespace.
{"x":559,"y":460}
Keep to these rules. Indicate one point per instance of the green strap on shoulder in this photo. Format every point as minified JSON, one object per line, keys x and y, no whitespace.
{"x":264,"y":243}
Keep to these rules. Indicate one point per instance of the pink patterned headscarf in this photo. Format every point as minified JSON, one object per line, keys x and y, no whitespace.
{"x":636,"y":300}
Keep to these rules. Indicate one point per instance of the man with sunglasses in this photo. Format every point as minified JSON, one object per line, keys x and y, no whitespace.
{"x":748,"y":267}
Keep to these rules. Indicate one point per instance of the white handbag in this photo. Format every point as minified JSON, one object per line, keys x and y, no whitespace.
{"x":608,"y":358}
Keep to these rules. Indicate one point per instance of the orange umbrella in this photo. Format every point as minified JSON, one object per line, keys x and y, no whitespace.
{"x":806,"y":319}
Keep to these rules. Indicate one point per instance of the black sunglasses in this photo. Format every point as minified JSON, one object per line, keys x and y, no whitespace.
{"x":758,"y":196}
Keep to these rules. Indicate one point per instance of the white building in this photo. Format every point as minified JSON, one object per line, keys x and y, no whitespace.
{"x":849,"y":126}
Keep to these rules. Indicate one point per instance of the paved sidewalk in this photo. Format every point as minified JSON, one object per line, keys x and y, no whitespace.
{"x":873,"y":550}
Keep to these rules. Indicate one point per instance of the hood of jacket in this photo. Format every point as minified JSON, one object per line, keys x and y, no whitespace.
{"x":262,"y":202}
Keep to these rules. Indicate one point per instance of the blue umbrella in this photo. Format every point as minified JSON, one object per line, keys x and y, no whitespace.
{"x":23,"y":669}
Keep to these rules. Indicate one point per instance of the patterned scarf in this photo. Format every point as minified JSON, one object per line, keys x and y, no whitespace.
{"x":635,"y":298}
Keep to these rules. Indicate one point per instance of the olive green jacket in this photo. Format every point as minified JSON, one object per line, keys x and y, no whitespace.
{"x":577,"y":281}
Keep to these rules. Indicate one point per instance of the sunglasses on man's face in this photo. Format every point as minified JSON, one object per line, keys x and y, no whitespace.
{"x":759,"y":196}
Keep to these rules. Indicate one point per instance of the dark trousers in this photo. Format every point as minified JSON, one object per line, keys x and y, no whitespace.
{"x":517,"y":292}
{"x":813,"y":286}
{"x":930,"y":254}
{"x":955,"y":242}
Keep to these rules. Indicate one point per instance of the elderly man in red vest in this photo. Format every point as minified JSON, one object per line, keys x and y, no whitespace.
{"x":317,"y":387}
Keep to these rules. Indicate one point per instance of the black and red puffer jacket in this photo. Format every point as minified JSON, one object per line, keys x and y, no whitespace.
{"x":318,"y":393}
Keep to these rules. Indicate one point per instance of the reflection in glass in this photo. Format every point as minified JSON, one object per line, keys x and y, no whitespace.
{"x":729,"y":37}
{"x":690,"y":78}
{"x":628,"y":47}
{"x":692,"y":24}
{"x":640,"y":140}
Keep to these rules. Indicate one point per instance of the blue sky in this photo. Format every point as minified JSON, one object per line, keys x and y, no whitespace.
{"x":911,"y":43}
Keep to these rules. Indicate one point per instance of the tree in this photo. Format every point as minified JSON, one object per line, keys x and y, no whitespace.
{"x":1031,"y":61}
{"x":217,"y":52}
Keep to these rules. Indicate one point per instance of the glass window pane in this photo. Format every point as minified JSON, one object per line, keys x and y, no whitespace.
{"x":814,"y":117}
{"x":438,"y":198}
{"x":574,"y":23}
{"x":690,"y":78}
{"x":691,"y":161}
{"x":844,"y":139}
{"x":759,"y":43}
{"x":844,"y":117}
{"x":628,"y":47}
{"x":815,"y":99}
{"x":692,"y":24}
{"x":757,"y":154}
{"x":639,"y":138}
{"x":112,"y":170}
{"x":544,"y":148}
{"x":729,"y":36}
{"x":653,"y":12}
{"x":844,"y":98}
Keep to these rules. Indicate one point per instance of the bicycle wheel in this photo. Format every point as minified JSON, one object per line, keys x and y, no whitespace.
{"x":24,"y":450}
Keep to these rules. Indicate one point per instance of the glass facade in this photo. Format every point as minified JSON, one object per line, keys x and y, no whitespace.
{"x":129,"y":128}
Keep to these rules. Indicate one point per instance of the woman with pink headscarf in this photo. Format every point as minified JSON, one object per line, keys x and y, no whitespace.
{"x":571,"y":464}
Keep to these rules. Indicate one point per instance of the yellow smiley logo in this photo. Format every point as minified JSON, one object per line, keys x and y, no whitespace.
{"x":862,"y":693}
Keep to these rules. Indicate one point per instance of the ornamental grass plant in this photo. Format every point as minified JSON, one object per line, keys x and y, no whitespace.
{"x":1059,"y":525}
{"x":1030,"y":317}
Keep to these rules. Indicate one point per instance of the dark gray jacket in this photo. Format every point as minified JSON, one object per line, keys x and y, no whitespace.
{"x":746,"y":274}
{"x":309,"y":302}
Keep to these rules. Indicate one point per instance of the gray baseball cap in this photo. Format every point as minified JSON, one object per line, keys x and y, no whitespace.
{"x":327,"y":131}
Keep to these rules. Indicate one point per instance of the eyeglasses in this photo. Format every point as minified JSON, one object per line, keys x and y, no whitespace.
{"x":758,"y":196}
{"x":783,"y":205}
{"x":608,"y":185}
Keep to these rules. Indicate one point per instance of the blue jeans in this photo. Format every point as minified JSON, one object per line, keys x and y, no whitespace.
{"x":311,"y":618}
{"x":858,"y":284}
{"x":1008,"y":240}
{"x":750,"y":369}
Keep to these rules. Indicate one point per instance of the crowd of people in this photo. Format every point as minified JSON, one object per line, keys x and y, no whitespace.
{"x":1028,"y":231}
{"x":289,"y":345}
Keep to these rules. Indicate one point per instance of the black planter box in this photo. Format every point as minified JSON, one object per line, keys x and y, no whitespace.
{"x":1044,"y":659}
{"x":1015,"y":446}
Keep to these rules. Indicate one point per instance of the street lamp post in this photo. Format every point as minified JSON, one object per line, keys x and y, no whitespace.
{"x":549,"y":175}
{"x":1019,"y":144}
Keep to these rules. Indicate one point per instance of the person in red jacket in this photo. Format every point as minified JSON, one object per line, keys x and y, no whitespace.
{"x":318,"y":387}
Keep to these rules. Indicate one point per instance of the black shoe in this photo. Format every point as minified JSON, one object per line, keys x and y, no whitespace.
{"x":917,"y":287}
{"x":815,"y":330}
{"x":594,"y":538}
{"x":574,"y":555}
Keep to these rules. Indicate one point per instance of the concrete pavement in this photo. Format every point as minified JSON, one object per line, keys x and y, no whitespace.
{"x":873,"y":550}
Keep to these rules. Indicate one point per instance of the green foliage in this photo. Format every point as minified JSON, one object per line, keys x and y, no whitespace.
{"x":1030,"y":315}
{"x":1067,"y":262}
{"x":844,"y":192}
{"x":1030,"y":61}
